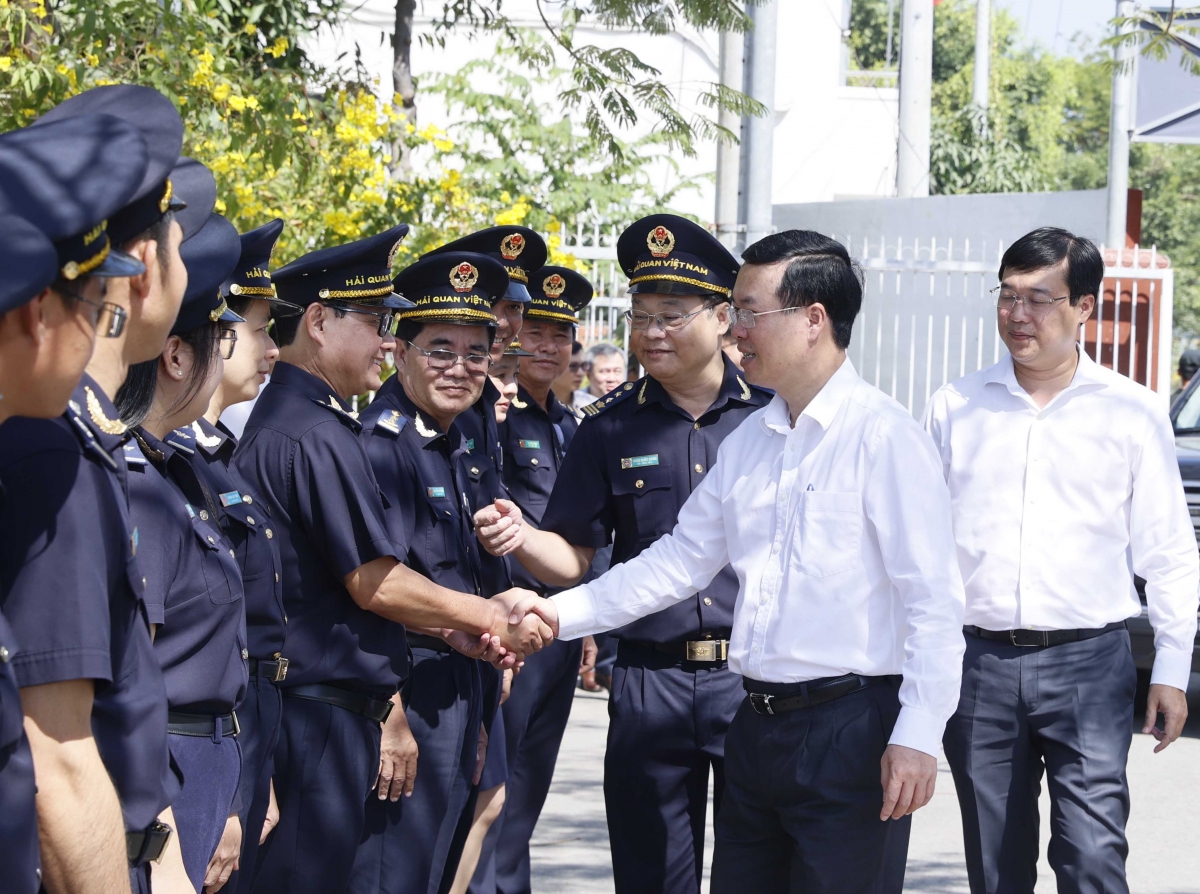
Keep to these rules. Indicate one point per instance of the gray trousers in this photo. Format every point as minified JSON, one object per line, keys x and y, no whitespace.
{"x":1066,"y":711}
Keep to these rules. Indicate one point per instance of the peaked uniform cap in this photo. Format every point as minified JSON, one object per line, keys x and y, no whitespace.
{"x":209,"y":256}
{"x":358,"y":271}
{"x":453,"y":287}
{"x":196,"y":184}
{"x":668,"y":254}
{"x":156,"y":119}
{"x":520,"y":249}
{"x":30,"y":262}
{"x":67,"y":178}
{"x":252,"y":276}
{"x":558,"y":294}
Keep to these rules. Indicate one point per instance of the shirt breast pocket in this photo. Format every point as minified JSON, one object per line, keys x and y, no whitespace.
{"x":251,"y":548}
{"x":535,"y":470}
{"x":222,"y":578}
{"x":440,"y":541}
{"x":648,"y":491}
{"x":830,"y":533}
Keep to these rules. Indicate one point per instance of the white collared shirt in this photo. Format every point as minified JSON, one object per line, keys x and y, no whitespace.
{"x":839,"y":532}
{"x":1056,"y":509}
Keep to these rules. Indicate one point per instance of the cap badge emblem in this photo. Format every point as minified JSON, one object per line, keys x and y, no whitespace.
{"x":463,"y":277}
{"x":511,"y":246}
{"x":660,"y":241}
{"x":554,"y":285}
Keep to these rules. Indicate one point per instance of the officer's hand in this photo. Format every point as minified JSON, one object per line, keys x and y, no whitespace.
{"x":536,"y":605}
{"x":908,"y":779}
{"x":397,"y":756}
{"x":1172,"y":704}
{"x":499,"y":527}
{"x":590,"y":651}
{"x":485,"y":647}
{"x":480,"y":755}
{"x":225,"y":860}
{"x":272,"y":818}
{"x":506,"y":681}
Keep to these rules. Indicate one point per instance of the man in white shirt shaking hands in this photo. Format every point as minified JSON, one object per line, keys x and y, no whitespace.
{"x":830,"y":505}
{"x":1064,"y":485}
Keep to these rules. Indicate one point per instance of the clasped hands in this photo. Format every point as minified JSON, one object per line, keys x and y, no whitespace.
{"x":517,"y":630}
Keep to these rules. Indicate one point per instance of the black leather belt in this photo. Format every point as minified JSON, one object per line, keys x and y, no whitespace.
{"x":704,"y":650}
{"x":1032,"y":639}
{"x":274,"y":670}
{"x":425,"y":641}
{"x":354,"y":702}
{"x":794,"y":696}
{"x":147,"y":845}
{"x":182,"y":724}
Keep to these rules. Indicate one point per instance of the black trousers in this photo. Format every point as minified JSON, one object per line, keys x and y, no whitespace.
{"x":802,"y":798}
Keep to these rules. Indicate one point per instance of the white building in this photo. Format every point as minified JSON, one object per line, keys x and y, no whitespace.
{"x":831,"y":141}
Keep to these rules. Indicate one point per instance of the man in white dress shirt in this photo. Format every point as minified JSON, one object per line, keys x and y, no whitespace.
{"x":830,"y":505}
{"x":1064,"y":485}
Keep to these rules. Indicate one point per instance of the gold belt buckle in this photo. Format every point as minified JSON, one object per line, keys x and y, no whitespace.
{"x":707,"y":650}
{"x":281,"y":673}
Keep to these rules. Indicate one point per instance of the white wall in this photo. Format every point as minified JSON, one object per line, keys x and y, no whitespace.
{"x":830,"y":141}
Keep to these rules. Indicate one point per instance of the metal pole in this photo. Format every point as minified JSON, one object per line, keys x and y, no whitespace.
{"x":916,"y":87}
{"x":728,"y":153}
{"x":1118,"y":136}
{"x":760,"y":133}
{"x":983,"y":52}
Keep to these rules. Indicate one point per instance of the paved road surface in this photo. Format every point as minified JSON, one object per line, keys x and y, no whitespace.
{"x":570,"y":846}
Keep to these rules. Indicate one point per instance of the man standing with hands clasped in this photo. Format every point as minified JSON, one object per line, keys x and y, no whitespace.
{"x":829,"y":505}
{"x":1064,"y":485}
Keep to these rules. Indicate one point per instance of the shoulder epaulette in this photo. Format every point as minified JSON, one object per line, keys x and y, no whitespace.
{"x":618,"y":394}
{"x":182,"y":439}
{"x":350,"y":419}
{"x":392,"y":422}
{"x":86,"y":437}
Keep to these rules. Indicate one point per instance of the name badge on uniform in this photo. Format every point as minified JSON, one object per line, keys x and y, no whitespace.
{"x":530,"y":445}
{"x":435,"y":492}
{"x":133,"y":542}
{"x":134,"y":455}
{"x":470,"y":444}
{"x":191,"y":511}
{"x":637,"y":462}
{"x":231,"y":499}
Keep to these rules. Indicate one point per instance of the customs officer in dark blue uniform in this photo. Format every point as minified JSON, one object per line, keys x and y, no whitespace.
{"x":427,"y":475}
{"x":31,"y":264}
{"x":194,"y":585}
{"x":343,"y":584}
{"x":634,"y":461}
{"x":245,"y":519}
{"x":70,"y":585}
{"x":535,"y":437}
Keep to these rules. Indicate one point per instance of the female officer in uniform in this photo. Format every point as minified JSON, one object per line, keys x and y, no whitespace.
{"x":194,"y":585}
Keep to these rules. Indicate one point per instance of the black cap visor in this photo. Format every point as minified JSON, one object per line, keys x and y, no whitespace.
{"x":516,"y":292}
{"x":667,"y":287}
{"x":397,"y":302}
{"x":118,"y":263}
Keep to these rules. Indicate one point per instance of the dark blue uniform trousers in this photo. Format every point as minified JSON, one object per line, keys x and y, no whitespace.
{"x":211,"y":767}
{"x":667,"y":724}
{"x":325,"y":762}
{"x":1066,"y":710}
{"x":535,"y":718}
{"x":259,"y":716}
{"x":802,"y":798}
{"x":406,"y":844}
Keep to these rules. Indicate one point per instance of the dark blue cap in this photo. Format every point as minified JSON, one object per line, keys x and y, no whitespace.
{"x":160,"y":127}
{"x":558,"y":293}
{"x":252,"y":276}
{"x":357,"y":271}
{"x":521,"y":250}
{"x":66,"y":178}
{"x":30,"y":262}
{"x":670,"y":255}
{"x":196,"y":182}
{"x":209,"y":256}
{"x":453,"y":287}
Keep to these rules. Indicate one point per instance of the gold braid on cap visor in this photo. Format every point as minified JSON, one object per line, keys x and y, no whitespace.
{"x":74,"y":269}
{"x":667,"y":277}
{"x":551,"y":315}
{"x":355,"y":294}
{"x":474,"y":316}
{"x":265,"y":291}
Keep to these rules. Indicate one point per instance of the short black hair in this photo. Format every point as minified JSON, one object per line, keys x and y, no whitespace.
{"x":408,"y":330}
{"x":159,"y":232}
{"x":136,"y":396}
{"x":576,"y":347}
{"x":821,"y":272}
{"x":286,"y":327}
{"x":1049,"y":247}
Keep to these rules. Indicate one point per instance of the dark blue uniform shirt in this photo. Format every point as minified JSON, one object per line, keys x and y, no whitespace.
{"x":18,"y":810}
{"x":71,"y":587}
{"x":302,"y":452}
{"x":635,"y":460}
{"x":244,"y":519}
{"x":193,"y":583}
{"x":480,"y":431}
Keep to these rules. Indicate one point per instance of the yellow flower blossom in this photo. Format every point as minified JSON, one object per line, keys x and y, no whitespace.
{"x":278,"y":48}
{"x":5,"y":63}
{"x":250,"y":28}
{"x":221,"y":92}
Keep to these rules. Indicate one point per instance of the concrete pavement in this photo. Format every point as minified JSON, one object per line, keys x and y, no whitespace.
{"x":570,"y":845}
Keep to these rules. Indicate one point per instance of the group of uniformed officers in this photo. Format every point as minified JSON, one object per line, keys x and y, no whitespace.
{"x":309,"y":658}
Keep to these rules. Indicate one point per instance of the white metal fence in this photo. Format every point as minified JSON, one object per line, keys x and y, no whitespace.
{"x":927,"y":315}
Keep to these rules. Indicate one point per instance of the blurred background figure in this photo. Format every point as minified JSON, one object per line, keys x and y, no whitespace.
{"x":606,"y":369}
{"x":568,"y":387}
{"x":1189,"y":363}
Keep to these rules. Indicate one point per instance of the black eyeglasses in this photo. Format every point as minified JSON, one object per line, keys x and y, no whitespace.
{"x":387,"y":319}
{"x":228,"y":339}
{"x":442,"y":360}
{"x":107,"y":319}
